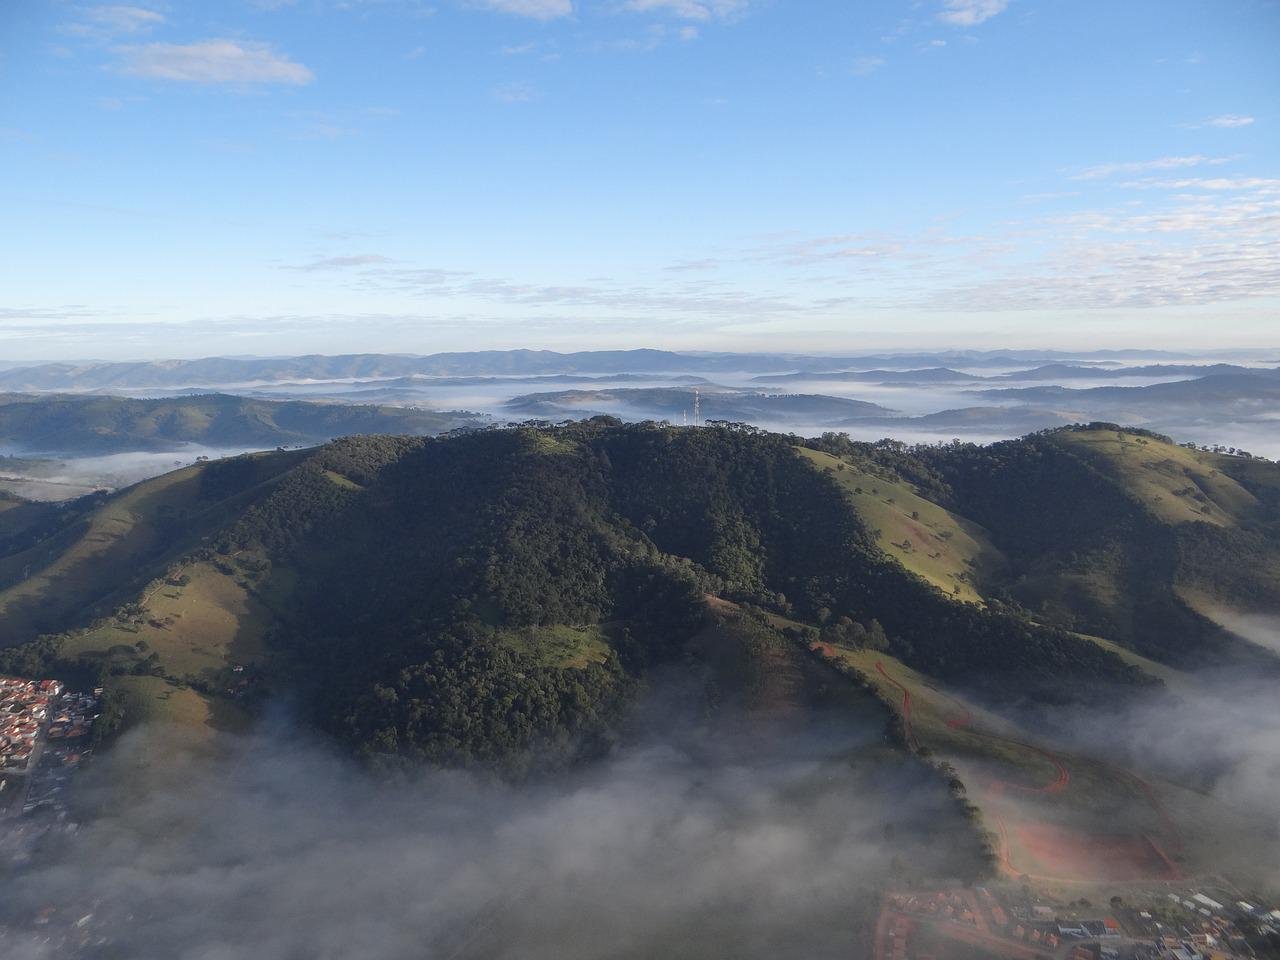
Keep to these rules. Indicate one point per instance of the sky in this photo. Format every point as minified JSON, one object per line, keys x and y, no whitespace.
{"x":294,"y":176}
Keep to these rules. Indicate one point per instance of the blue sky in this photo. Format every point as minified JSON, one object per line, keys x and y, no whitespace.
{"x":265,"y":176}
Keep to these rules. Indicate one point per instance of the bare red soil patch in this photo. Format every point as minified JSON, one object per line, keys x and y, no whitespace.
{"x":1077,"y":855}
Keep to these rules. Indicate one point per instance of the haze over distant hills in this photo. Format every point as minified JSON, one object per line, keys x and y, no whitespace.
{"x":92,"y":425}
{"x":235,"y":403}
{"x":716,"y":403}
{"x":214,"y":371}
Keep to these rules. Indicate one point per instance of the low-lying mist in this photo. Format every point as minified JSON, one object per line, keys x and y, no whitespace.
{"x":693,"y":841}
{"x":62,"y":477}
{"x":1215,"y":738}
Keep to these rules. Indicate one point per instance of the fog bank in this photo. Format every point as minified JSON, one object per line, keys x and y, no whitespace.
{"x":684,"y":846}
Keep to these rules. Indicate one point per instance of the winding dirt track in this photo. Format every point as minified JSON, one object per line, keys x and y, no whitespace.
{"x":962,"y":719}
{"x":906,"y":706}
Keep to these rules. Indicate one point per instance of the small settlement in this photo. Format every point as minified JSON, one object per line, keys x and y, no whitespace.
{"x":39,"y":719}
{"x":967,"y":923}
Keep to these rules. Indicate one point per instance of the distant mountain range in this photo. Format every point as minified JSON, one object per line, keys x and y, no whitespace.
{"x":888,"y":377}
{"x":223,"y":371}
{"x":1071,"y":371}
{"x":1240,"y":387}
{"x":718,"y":403}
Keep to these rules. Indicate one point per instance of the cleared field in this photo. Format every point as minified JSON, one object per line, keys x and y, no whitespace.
{"x":951,"y":553}
{"x":180,"y":710}
{"x":1064,"y":853}
{"x":1175,"y":483}
{"x":196,"y":626}
{"x":561,"y":645}
{"x":1055,"y":816}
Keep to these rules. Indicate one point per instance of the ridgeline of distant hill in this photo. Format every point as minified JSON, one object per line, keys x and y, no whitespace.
{"x":717,"y":403}
{"x":83,"y":425}
{"x":225,"y":371}
{"x":476,"y":596}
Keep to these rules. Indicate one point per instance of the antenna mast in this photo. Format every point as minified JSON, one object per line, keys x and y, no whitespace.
{"x":697,"y":408}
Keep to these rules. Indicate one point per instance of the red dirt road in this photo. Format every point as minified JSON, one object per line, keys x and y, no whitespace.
{"x":1070,"y":854}
{"x":906,"y":706}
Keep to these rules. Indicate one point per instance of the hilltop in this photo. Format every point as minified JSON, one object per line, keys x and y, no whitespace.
{"x":718,"y":403}
{"x":527,"y":577}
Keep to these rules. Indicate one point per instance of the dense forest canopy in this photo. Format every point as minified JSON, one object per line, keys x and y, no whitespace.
{"x":477,"y":595}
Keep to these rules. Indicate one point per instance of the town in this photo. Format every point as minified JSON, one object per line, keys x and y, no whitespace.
{"x":1001,"y":920}
{"x":44,"y":736}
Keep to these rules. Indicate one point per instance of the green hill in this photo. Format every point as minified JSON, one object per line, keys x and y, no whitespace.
{"x":475,"y":596}
{"x":1124,"y":534}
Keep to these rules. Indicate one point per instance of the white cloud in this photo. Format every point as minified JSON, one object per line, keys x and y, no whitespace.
{"x":237,"y":62}
{"x":519,"y":92}
{"x":1229,"y":120}
{"x":703,"y":10}
{"x":865,"y":66}
{"x":1104,"y":170}
{"x":343,"y":263}
{"x":969,"y":13}
{"x":535,"y":9}
{"x":115,"y":20}
{"x":1260,"y":184}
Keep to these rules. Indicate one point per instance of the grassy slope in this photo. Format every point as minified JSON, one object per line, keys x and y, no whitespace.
{"x":196,"y":630}
{"x":88,"y":568}
{"x":948,"y":551}
{"x":1176,"y":484}
{"x":1180,"y":486}
{"x":82,"y":565}
{"x":180,"y":710}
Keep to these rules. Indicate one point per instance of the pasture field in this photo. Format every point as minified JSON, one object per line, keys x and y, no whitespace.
{"x":180,"y":711}
{"x":561,"y":645}
{"x":953,"y":554}
{"x":196,"y":624}
{"x":1177,"y":484}
{"x":80,"y":568}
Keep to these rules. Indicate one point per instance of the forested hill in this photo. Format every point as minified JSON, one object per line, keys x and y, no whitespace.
{"x":80,"y":424}
{"x":475,"y":595}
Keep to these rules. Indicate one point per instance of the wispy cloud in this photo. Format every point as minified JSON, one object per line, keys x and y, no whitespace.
{"x":1260,"y":184}
{"x":1104,"y":170}
{"x":969,"y":13}
{"x":112,"y":20}
{"x":703,"y":10}
{"x":233,"y":62}
{"x":534,"y":9}
{"x":693,"y":266}
{"x":518,"y":92}
{"x":865,"y":66}
{"x":1229,"y":120}
{"x":342,"y":263}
